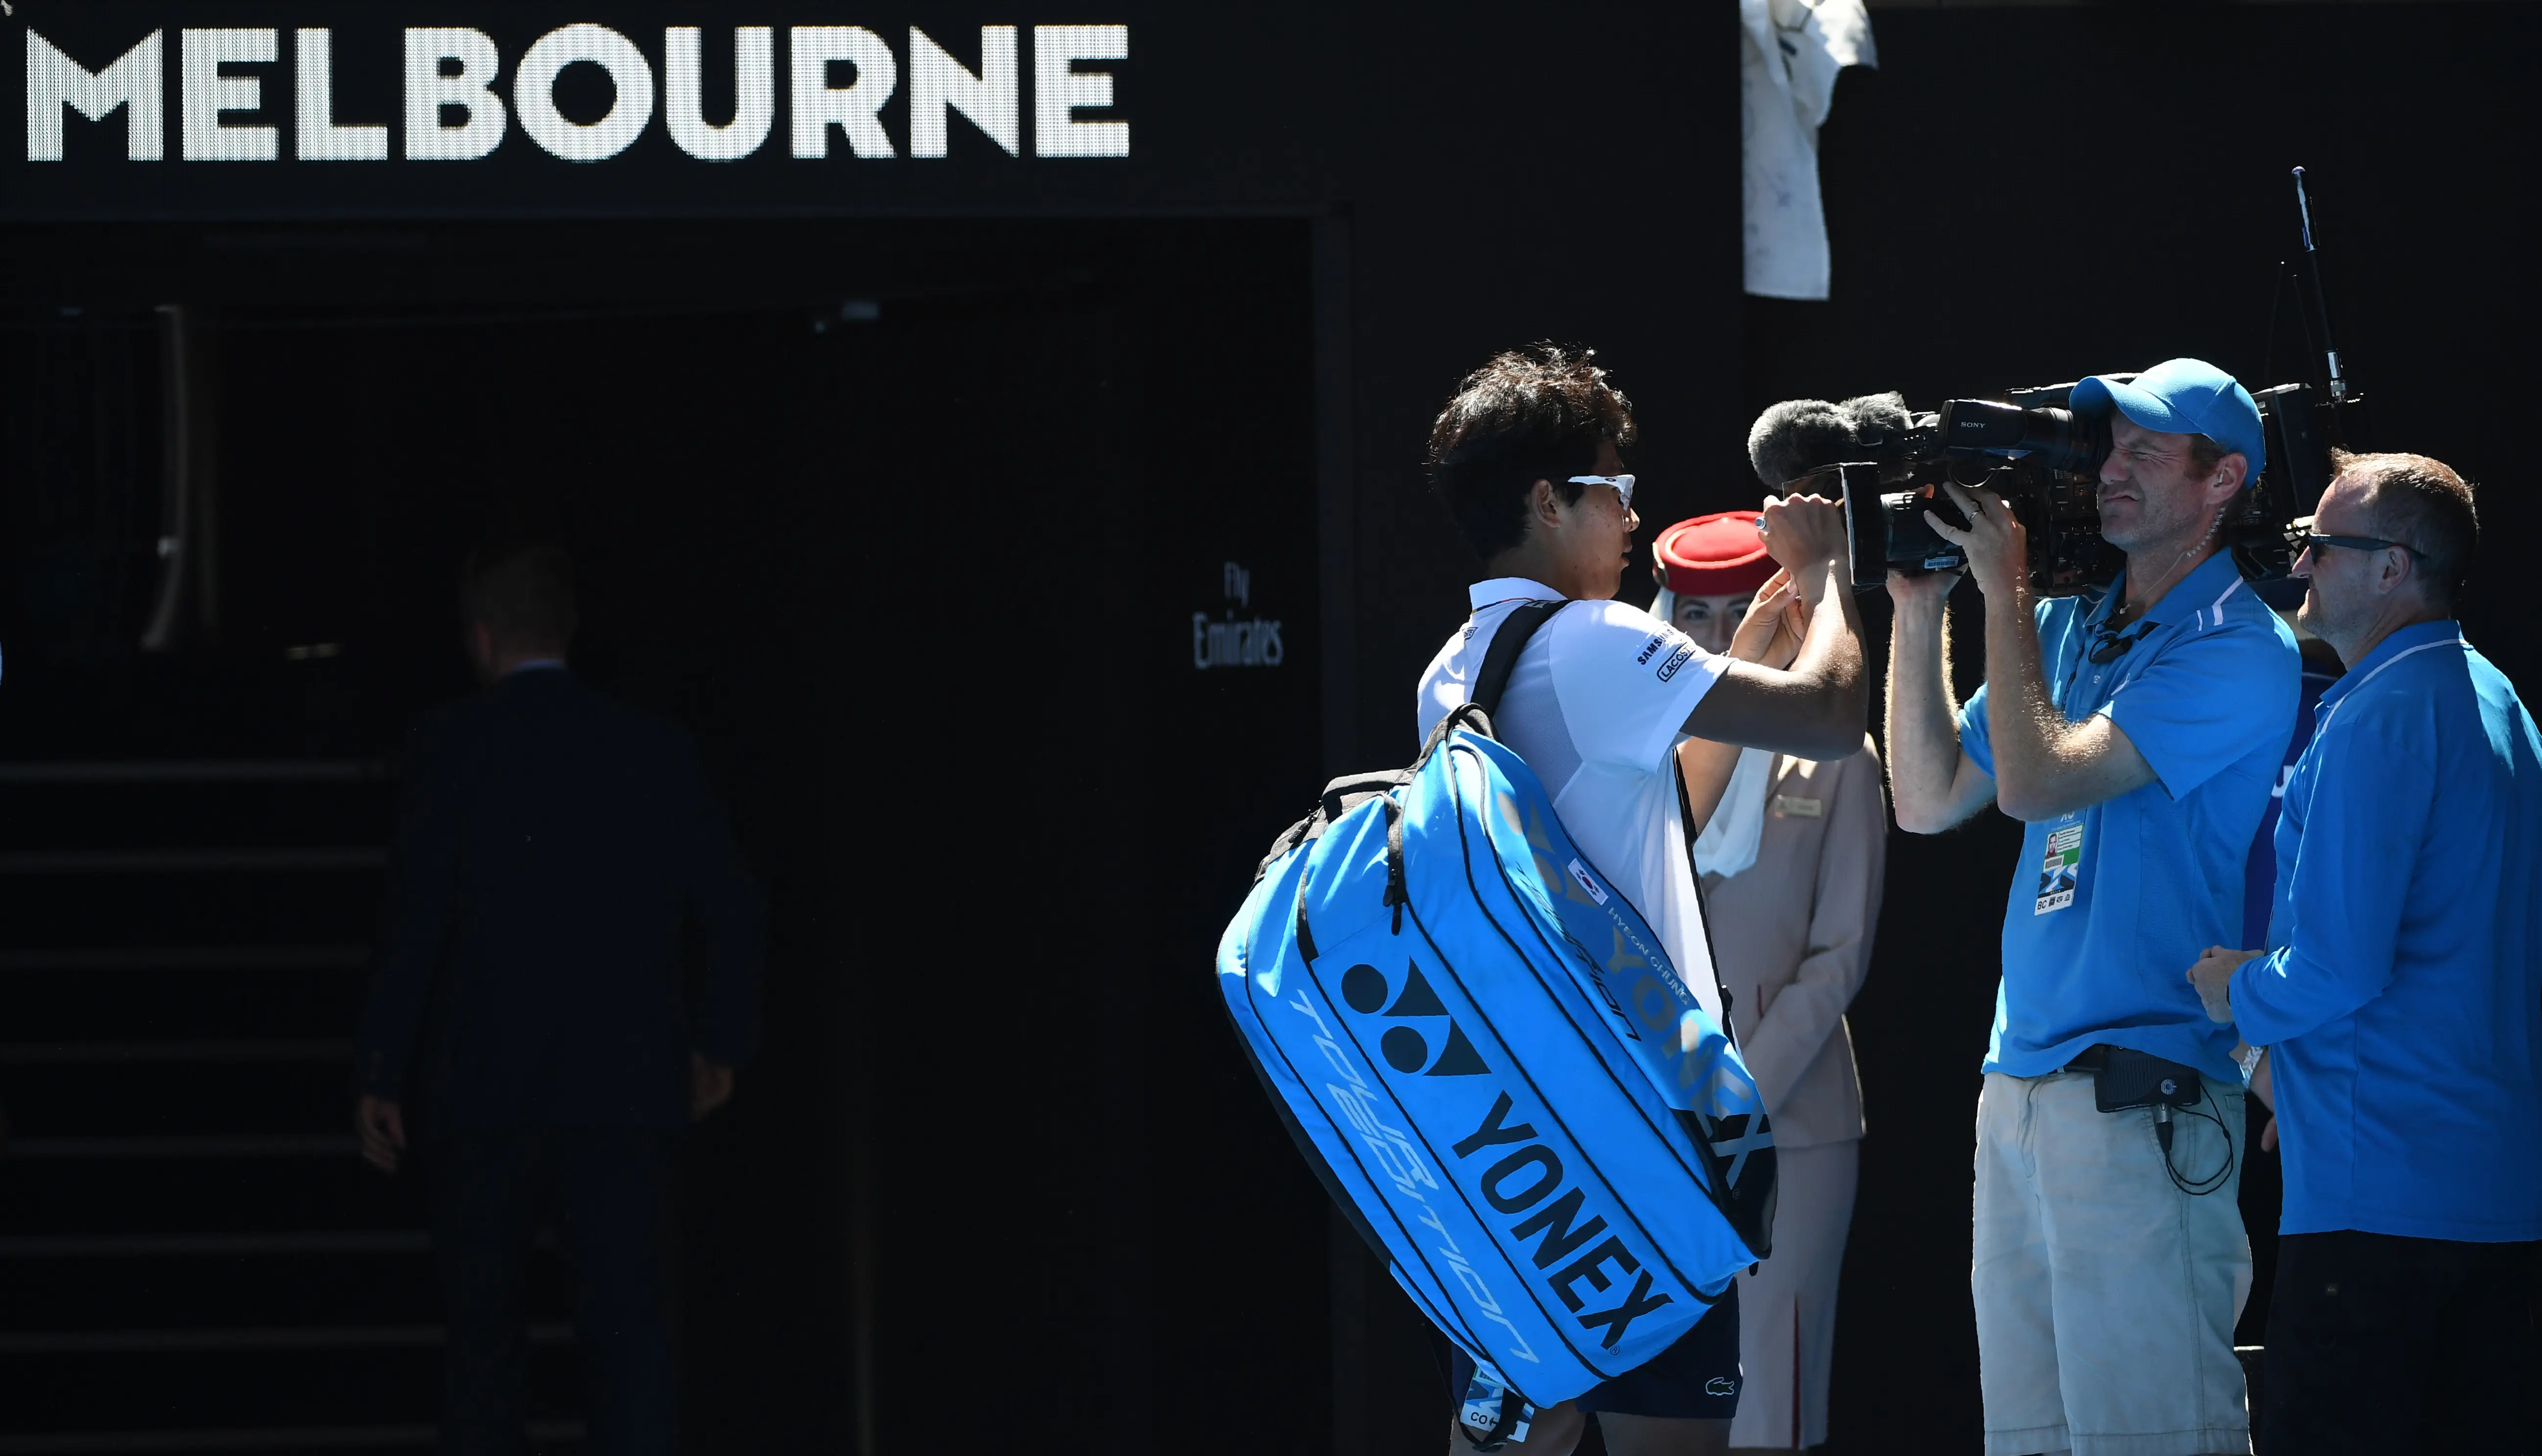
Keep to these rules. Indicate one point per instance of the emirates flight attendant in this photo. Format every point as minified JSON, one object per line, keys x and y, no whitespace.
{"x":1790,"y":852}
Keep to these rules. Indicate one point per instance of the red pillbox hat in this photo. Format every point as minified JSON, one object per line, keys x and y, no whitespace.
{"x":1715,"y":555}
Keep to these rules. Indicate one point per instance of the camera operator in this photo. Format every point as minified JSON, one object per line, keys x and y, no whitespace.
{"x":1526,"y":458}
{"x":2137,"y":731}
{"x":2399,"y":1002}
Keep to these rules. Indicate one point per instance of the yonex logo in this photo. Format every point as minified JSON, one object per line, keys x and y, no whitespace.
{"x":1405,"y":1048}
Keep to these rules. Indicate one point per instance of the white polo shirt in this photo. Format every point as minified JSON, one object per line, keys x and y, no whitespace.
{"x":1595,"y":704}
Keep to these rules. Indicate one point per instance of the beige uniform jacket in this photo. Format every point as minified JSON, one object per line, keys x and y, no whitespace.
{"x":1792,"y":937}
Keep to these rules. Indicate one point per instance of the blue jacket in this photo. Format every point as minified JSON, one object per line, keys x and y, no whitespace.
{"x":2401,"y":999}
{"x":550,"y":849}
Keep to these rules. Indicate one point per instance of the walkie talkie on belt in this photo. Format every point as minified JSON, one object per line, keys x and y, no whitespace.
{"x":2124,"y":1080}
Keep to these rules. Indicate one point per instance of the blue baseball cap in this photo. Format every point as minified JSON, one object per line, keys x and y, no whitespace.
{"x":2184,"y":396}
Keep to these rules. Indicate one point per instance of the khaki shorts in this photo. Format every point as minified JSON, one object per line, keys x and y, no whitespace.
{"x":2106,"y":1296}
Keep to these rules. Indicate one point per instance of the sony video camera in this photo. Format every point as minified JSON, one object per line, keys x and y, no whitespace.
{"x":2044,"y":460}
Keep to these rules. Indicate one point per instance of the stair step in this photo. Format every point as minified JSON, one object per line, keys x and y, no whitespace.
{"x":132,"y":815}
{"x":188,"y":958}
{"x":287,"y":1337}
{"x":85,"y":1106}
{"x":273,"y":1282}
{"x":276,"y":1438}
{"x":262,"y":1000}
{"x":100,"y":1196}
{"x":223,"y":1244}
{"x":153,"y":1286}
{"x":320,"y":859}
{"x":198,"y":1053}
{"x":52,"y":771}
{"x":56,"y":1393}
{"x":332,"y":906}
{"x":217,"y":1145}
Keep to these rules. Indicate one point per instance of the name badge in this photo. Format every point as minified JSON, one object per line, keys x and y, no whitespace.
{"x":1787,"y":807}
{"x":2058,"y":871}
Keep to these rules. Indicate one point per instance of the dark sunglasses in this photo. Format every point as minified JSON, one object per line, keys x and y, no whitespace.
{"x":2316,"y":542}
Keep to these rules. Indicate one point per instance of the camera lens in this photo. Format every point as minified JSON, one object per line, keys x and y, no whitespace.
{"x":2057,"y":439}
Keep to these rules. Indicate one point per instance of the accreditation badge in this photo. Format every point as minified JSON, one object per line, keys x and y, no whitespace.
{"x":2058,"y":871}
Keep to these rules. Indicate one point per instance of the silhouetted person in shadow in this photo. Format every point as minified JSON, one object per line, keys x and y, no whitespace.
{"x":530,"y":1004}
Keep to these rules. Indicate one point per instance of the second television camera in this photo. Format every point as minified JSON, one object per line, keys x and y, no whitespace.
{"x":2044,"y":460}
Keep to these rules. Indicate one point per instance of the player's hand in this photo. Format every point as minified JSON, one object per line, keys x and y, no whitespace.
{"x":1803,"y":532}
{"x":1770,"y":634}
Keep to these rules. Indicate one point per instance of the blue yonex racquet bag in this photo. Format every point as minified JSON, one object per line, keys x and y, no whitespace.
{"x":1486,"y":1054}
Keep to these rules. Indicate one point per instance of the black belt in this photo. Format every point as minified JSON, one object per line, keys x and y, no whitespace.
{"x":2093,"y":1058}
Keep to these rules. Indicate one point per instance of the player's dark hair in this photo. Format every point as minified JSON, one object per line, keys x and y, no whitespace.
{"x":1530,"y":415}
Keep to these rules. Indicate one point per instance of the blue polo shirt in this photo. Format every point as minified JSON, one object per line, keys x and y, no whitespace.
{"x":2111,"y":904}
{"x":2401,"y":999}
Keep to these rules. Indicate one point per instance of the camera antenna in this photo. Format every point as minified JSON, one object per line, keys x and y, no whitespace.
{"x":2321,"y":305}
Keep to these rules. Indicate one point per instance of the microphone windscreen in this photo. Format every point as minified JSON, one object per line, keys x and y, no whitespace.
{"x":1877,"y":418}
{"x":1791,"y":439}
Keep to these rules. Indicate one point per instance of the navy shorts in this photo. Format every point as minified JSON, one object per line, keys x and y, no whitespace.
{"x":1694,"y":1379}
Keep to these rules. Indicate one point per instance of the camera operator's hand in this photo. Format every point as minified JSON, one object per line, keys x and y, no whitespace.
{"x":1997,"y":547}
{"x":1923,"y":591}
{"x":1776,"y":622}
{"x":1803,"y":534}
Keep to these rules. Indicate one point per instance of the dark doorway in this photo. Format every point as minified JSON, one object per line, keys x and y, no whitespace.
{"x":921,"y":530}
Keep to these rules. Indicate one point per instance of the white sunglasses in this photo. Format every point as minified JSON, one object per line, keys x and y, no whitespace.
{"x":1623,"y":485}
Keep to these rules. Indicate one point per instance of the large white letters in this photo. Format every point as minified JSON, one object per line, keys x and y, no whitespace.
{"x":754,"y":90}
{"x":534,"y":91}
{"x":319,"y":138}
{"x":204,"y":93}
{"x":459,"y":100}
{"x":937,"y":81}
{"x":1059,"y":88}
{"x":134,"y":82}
{"x":428,"y":91}
{"x":856,"y":107}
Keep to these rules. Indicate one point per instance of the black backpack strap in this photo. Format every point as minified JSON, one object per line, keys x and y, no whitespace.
{"x":1507,"y":644}
{"x":1498,"y":659}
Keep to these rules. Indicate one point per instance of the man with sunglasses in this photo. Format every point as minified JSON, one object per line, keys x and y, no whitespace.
{"x":2400,"y":1001}
{"x":1527,"y":456}
{"x":2137,"y":731}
